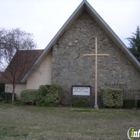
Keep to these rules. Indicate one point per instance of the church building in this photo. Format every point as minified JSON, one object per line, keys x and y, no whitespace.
{"x":62,"y":61}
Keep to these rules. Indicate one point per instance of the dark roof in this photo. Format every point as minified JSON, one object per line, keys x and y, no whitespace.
{"x":19,"y":65}
{"x":1,"y":75}
{"x":85,"y":6}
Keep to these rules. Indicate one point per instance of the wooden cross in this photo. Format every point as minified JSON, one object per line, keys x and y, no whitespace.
{"x":96,"y":56}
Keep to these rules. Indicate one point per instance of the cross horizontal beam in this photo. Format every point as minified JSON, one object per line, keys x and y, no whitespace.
{"x":95,"y":54}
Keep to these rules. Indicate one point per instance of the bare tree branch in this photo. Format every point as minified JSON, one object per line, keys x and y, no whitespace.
{"x":14,"y":55}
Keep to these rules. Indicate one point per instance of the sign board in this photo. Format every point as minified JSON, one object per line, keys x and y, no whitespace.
{"x":81,"y":90}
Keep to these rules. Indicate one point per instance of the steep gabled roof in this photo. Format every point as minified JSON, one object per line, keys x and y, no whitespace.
{"x":85,"y":6}
{"x":19,"y":65}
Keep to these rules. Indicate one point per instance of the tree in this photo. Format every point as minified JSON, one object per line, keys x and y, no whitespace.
{"x":2,"y":85}
{"x":134,"y":41}
{"x":12,"y":43}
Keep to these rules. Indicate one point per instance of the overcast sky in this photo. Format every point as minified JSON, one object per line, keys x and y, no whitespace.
{"x":43,"y":18}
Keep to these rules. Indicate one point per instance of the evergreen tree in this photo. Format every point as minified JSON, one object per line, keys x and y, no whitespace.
{"x":134,"y":41}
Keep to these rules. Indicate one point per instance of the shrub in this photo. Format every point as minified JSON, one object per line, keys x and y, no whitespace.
{"x":38,"y":103}
{"x":1,"y":99}
{"x":7,"y":96}
{"x":112,"y":97}
{"x":29,"y":96}
{"x":79,"y":102}
{"x":138,"y":103}
{"x":17,"y":103}
{"x":129,"y":103}
{"x":50,"y":94}
{"x":44,"y":104}
{"x":2,"y":87}
{"x":5,"y":101}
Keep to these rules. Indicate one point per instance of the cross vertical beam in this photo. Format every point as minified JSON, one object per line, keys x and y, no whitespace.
{"x":96,"y":60}
{"x":96,"y":70}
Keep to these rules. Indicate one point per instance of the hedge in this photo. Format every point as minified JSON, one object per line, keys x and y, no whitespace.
{"x":50,"y":94}
{"x":138,"y":103}
{"x":29,"y":96}
{"x":7,"y":96}
{"x":112,"y":97}
{"x":129,"y":103}
{"x":80,"y":102}
{"x":2,"y":87}
{"x":44,"y":104}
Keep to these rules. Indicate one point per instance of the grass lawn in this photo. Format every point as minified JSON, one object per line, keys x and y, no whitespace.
{"x":64,"y":123}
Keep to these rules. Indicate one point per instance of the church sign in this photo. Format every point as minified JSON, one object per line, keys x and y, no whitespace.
{"x":81,"y":90}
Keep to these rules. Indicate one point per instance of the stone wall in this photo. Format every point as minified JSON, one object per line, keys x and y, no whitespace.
{"x":70,"y":67}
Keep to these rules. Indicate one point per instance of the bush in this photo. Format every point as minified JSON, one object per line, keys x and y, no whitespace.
{"x":7,"y":96}
{"x":2,"y":87}
{"x":129,"y":103}
{"x":29,"y":96}
{"x":17,"y":103}
{"x":49,"y":94}
{"x":44,"y":104}
{"x":1,"y":99}
{"x":5,"y":101}
{"x":112,"y":97}
{"x":79,"y":102}
{"x":138,"y":103}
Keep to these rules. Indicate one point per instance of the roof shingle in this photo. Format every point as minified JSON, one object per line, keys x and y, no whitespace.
{"x":19,"y":65}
